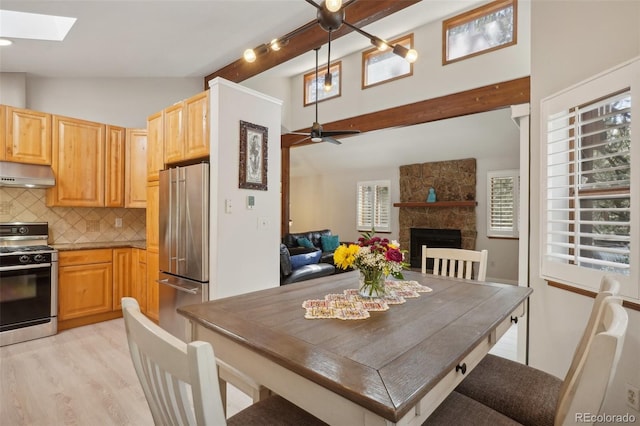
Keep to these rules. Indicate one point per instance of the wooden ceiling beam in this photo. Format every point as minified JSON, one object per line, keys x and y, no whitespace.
{"x":481,"y":99}
{"x":360,"y":13}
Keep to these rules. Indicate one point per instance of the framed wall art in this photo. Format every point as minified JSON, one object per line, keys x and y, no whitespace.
{"x":253,"y":156}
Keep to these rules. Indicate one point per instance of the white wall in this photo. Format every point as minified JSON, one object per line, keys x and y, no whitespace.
{"x":244,"y":256}
{"x":119,"y":101}
{"x":13,"y":89}
{"x":573,"y":40}
{"x":430,"y":78}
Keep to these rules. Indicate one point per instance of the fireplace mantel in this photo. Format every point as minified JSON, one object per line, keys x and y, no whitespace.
{"x":437,"y":204}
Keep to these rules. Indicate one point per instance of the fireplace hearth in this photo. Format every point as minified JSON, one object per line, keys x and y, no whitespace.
{"x":447,"y":238}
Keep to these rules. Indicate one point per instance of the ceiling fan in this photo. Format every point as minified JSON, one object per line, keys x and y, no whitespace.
{"x":317,"y":134}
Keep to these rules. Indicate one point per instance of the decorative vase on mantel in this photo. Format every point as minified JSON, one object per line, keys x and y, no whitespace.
{"x":371,"y":283}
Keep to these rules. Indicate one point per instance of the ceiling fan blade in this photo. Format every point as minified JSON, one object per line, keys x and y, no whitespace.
{"x":299,"y":133}
{"x":331,"y":140}
{"x":339,"y":132}
{"x":301,"y":140}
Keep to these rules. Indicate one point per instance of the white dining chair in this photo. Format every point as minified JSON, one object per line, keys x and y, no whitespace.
{"x":456,"y":262}
{"x":180,"y":380}
{"x":533,"y":397}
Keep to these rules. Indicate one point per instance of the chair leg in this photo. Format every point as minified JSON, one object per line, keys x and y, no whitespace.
{"x":223,"y":392}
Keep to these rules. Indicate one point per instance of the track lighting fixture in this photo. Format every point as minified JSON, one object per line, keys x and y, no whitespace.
{"x":275,"y":45}
{"x":409,"y":54}
{"x":331,"y":17}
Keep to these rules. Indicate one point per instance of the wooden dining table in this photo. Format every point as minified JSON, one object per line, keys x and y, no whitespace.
{"x":394,"y":367}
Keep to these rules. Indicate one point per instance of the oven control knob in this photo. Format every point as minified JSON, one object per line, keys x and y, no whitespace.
{"x":23,"y":230}
{"x":24,"y":258}
{"x":38,"y":258}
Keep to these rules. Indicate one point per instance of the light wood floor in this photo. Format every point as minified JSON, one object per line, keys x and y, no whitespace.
{"x":82,"y":376}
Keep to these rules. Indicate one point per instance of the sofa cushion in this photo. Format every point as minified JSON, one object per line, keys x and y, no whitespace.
{"x":291,"y":240}
{"x":329,"y":242}
{"x":305,"y":242}
{"x":299,"y":260}
{"x":308,"y":272}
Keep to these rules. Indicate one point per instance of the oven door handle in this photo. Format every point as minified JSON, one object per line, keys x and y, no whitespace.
{"x":19,"y":267}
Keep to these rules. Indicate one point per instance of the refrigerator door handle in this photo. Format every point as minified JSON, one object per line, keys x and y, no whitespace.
{"x":191,"y":290}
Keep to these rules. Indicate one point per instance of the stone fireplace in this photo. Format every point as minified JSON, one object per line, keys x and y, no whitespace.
{"x":454,"y":210}
{"x":449,"y":238}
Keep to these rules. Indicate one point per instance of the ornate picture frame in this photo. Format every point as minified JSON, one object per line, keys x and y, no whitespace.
{"x":253,"y":156}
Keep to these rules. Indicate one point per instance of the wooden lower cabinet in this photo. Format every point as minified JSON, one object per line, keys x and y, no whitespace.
{"x":91,"y":284}
{"x":85,"y":287}
{"x":122,"y":275}
{"x":153,"y":291}
{"x":139,"y":283}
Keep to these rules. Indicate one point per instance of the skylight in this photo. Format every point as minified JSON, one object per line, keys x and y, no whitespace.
{"x":34,"y":25}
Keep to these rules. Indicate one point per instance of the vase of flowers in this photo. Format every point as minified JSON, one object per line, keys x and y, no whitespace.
{"x":375,"y":258}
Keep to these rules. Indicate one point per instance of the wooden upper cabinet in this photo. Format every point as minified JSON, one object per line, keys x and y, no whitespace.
{"x":153,"y":216}
{"x":186,"y":129}
{"x":155,"y":145}
{"x":135,"y":193}
{"x":78,"y":162}
{"x":114,"y":166}
{"x":197,"y":118}
{"x":174,"y":133}
{"x":28,"y":136}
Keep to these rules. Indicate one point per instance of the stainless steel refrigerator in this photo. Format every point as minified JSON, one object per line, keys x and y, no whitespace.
{"x":184,"y":243}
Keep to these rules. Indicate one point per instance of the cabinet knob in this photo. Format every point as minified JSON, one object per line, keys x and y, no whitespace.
{"x":462,"y":368}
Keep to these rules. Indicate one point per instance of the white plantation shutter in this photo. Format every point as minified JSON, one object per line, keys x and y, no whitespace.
{"x":503,"y":203}
{"x":590,"y":194}
{"x":374,"y":206}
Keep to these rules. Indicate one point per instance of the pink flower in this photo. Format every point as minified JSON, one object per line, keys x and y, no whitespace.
{"x":394,"y":255}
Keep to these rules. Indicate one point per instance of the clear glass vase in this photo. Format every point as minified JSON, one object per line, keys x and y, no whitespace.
{"x":372,"y":283}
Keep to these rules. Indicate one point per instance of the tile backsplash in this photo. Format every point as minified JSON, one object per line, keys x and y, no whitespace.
{"x":71,"y":224}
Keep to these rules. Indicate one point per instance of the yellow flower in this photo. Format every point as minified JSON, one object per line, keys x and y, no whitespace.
{"x":344,"y":256}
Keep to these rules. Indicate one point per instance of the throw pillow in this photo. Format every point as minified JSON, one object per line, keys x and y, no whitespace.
{"x":329,"y":242}
{"x":305,"y":242}
{"x":305,"y":259}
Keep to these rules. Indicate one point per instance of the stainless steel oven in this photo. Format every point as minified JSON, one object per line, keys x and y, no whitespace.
{"x":28,"y":283}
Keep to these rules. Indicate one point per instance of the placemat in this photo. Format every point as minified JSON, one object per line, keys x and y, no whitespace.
{"x":351,"y":306}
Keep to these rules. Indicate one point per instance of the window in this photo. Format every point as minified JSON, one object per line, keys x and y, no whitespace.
{"x":590,"y":203}
{"x":481,"y":30}
{"x":382,"y":66}
{"x":503,"y":203}
{"x":309,"y":81}
{"x":374,"y":206}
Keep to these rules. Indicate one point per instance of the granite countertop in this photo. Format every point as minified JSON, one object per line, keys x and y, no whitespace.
{"x":140,"y":244}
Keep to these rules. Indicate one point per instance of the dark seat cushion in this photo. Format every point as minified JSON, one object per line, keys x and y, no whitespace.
{"x":523,"y":393}
{"x":460,"y":410}
{"x":274,"y":410}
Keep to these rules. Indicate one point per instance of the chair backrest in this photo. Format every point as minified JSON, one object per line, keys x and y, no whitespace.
{"x":609,"y":286}
{"x":179,"y":380}
{"x":455,"y":262}
{"x":587,"y":388}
